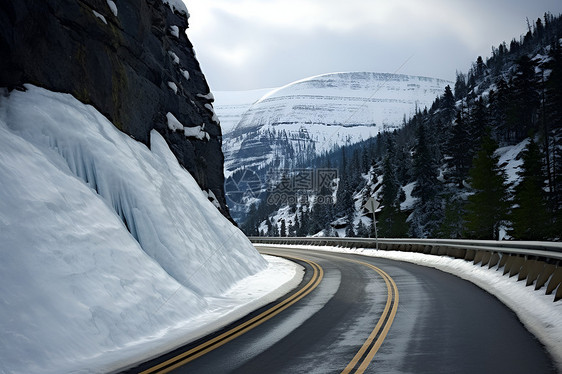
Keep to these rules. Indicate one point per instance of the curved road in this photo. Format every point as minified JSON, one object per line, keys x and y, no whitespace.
{"x":364,"y":314}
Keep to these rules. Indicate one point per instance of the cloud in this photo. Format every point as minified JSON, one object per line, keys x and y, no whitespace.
{"x":244,"y":44}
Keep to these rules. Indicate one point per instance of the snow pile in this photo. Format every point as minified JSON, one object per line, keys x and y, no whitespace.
{"x":177,"y":6}
{"x":540,"y":315}
{"x":109,"y":249}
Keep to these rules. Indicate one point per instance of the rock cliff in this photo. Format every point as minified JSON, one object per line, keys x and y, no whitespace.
{"x":131,"y":59}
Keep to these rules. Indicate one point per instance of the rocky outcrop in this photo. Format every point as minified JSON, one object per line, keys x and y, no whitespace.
{"x":130,"y":59}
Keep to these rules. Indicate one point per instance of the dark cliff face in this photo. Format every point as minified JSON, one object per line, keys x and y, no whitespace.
{"x":122,"y":65}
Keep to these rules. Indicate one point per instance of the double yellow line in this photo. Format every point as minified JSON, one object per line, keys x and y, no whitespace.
{"x":208,"y":346}
{"x":368,"y":350}
{"x":360,"y":361}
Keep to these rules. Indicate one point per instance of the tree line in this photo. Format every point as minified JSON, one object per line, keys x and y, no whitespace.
{"x":447,"y":157}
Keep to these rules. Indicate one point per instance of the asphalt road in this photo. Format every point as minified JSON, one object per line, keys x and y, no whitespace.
{"x":351,"y":317}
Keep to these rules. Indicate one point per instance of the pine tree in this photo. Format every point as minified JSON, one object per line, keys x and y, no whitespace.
{"x":362,"y":230}
{"x":283,"y":231}
{"x":428,"y":210}
{"x":530,"y":217}
{"x":425,"y":168}
{"x":452,"y":226}
{"x":525,"y":101}
{"x":553,"y":123}
{"x":480,"y":68}
{"x":447,"y":103}
{"x":321,"y":211}
{"x":349,"y":230}
{"x":487,"y":207}
{"x":390,"y":181}
{"x":344,"y":200}
{"x":499,"y":107}
{"x":461,"y":157}
{"x":461,"y":89}
{"x":303,"y":229}
{"x":392,"y":222}
{"x":478,"y":122}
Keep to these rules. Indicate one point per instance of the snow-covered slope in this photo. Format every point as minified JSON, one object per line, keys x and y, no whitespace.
{"x":106,"y":245}
{"x":344,"y":99}
{"x":319,"y":113}
{"x":292,"y":124}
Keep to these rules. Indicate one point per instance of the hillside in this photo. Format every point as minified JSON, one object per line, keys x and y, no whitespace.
{"x":482,"y":162}
{"x":293,"y":124}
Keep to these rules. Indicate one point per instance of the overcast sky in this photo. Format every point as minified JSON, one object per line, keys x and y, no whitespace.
{"x":248,"y":44}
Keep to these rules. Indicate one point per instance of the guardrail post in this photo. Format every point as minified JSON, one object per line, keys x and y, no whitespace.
{"x":525,"y":267}
{"x":535,"y":268}
{"x":508,"y":263}
{"x":456,"y":252}
{"x":516,"y":265}
{"x":555,"y":281}
{"x":478,"y":257}
{"x":545,"y":275}
{"x":486,"y":258}
{"x":494,"y":259}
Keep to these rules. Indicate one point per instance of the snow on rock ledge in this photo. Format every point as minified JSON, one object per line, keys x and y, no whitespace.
{"x":104,"y":242}
{"x":189,"y":132}
{"x":177,"y":5}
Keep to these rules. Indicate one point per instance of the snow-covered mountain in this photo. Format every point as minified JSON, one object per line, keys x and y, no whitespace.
{"x":294,"y":123}
{"x":344,"y":99}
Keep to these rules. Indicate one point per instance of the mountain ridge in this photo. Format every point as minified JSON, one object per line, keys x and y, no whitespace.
{"x":301,"y":120}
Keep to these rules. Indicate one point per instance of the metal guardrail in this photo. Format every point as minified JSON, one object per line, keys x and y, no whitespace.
{"x":538,"y":263}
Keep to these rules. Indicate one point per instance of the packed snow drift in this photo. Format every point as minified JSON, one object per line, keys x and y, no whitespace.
{"x":109,"y":249}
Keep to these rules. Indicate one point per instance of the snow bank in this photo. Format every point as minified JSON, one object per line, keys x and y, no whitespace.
{"x":109,"y":249}
{"x":537,"y":311}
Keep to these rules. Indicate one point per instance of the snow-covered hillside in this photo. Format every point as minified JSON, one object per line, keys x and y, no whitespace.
{"x":344,"y":99}
{"x":109,"y":249}
{"x":292,"y":124}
